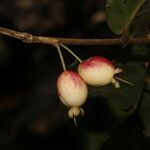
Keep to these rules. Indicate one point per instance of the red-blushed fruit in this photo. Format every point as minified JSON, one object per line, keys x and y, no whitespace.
{"x":72,"y":91}
{"x":98,"y":71}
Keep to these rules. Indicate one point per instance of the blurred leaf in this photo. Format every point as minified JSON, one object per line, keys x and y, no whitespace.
{"x":93,"y":141}
{"x":140,"y":50}
{"x":145,"y":113}
{"x":145,"y":107}
{"x":74,"y":64}
{"x":120,"y":13}
{"x":141,"y":23}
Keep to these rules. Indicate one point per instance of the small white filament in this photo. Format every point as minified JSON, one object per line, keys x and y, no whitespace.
{"x":71,"y":52}
{"x":124,"y":81}
{"x":75,"y":121}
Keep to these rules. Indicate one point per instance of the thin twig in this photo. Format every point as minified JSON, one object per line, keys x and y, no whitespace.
{"x":71,"y":52}
{"x":61,"y":57}
{"x":29,"y":38}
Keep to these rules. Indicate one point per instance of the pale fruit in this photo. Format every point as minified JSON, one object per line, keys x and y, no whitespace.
{"x":72,"y":89}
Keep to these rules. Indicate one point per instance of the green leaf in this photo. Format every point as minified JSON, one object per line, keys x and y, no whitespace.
{"x":120,"y":14}
{"x":145,"y":113}
{"x":93,"y":141}
{"x":141,"y":23}
{"x":140,"y":50}
{"x":144,"y":110}
{"x":73,"y":65}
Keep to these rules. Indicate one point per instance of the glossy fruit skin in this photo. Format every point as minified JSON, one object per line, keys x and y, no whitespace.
{"x":96,"y":71}
{"x":72,"y":90}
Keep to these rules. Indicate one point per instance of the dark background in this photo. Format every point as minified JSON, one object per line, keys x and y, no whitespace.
{"x":31,"y":115}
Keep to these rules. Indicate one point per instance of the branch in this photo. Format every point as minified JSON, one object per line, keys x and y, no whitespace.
{"x":29,"y":38}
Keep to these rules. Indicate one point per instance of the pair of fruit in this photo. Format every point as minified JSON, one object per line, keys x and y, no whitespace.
{"x":72,"y":87}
